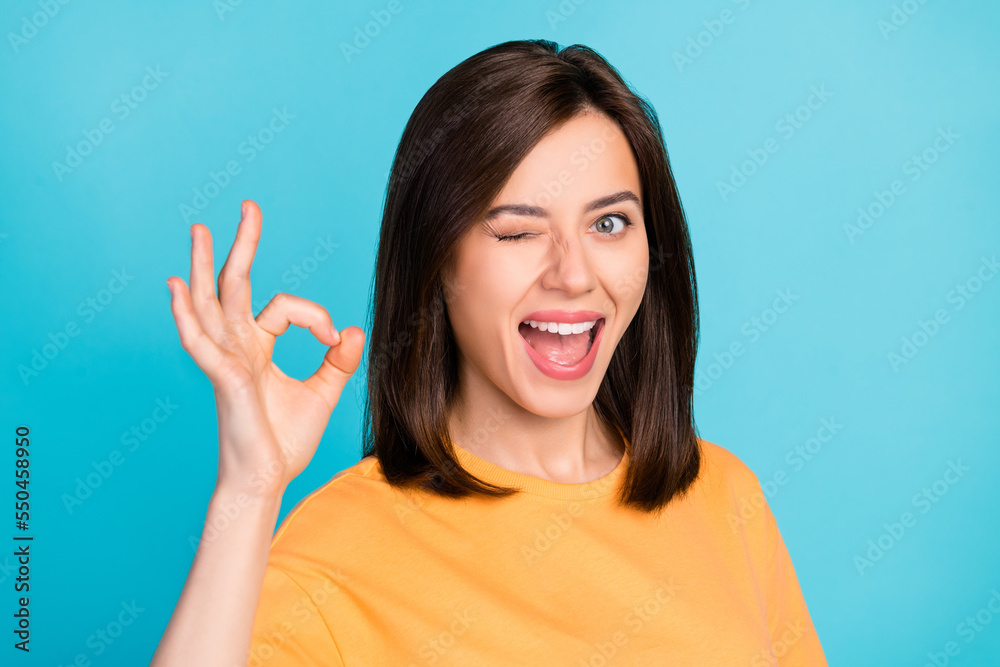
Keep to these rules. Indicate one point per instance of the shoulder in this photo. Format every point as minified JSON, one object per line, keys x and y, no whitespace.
{"x":338,"y":503}
{"x":722,"y":469}
{"x":727,"y":501}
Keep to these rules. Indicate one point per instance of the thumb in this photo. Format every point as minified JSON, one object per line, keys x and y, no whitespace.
{"x":339,"y":364}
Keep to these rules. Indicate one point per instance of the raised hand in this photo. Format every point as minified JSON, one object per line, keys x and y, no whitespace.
{"x":269,"y":424}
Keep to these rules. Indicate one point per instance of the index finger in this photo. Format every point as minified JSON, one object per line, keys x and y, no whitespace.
{"x":234,"y":278}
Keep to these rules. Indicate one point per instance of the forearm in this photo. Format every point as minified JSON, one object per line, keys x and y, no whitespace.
{"x":212,"y":623}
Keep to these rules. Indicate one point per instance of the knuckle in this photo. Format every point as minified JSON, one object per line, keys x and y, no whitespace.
{"x":191,"y":342}
{"x":340,"y":372}
{"x":205,"y":296}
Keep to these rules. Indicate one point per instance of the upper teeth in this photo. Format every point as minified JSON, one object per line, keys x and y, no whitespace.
{"x":562,"y":328}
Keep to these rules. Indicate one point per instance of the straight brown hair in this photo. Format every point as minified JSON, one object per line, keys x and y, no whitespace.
{"x":463,"y":140}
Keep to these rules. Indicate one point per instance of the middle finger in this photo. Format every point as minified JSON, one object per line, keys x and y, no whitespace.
{"x":234,"y":279}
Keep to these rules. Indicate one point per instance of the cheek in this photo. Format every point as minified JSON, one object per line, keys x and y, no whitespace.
{"x":628,"y":280}
{"x":486,"y":301}
{"x":497,"y":278}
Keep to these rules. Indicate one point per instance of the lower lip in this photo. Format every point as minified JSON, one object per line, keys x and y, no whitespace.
{"x":560,"y":372}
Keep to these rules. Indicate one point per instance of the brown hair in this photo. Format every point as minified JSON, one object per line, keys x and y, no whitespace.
{"x":465,"y":137}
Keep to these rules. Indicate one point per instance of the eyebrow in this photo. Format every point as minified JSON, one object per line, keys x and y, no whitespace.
{"x":539,"y":212}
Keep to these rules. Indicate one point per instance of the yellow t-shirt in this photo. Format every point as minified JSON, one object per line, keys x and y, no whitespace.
{"x":360,"y":573}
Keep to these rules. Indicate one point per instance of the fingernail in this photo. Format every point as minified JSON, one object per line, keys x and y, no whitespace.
{"x":336,"y":335}
{"x":170,"y":288}
{"x":243,"y":210}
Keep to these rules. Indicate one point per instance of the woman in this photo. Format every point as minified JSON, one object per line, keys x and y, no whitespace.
{"x":532,"y":489}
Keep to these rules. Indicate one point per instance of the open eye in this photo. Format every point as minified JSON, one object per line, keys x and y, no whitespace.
{"x":607,"y":227}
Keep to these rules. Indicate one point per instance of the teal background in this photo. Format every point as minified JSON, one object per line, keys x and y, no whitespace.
{"x":321,"y":180}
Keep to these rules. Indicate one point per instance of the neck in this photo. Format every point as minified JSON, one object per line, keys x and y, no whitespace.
{"x":569,"y":449}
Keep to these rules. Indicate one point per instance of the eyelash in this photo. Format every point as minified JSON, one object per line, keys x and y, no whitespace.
{"x":624,"y":218}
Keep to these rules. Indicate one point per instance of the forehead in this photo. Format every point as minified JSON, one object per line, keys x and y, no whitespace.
{"x":586,"y":156}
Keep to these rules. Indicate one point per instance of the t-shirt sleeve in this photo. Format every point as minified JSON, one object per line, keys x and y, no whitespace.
{"x":793,"y":638}
{"x":289,"y":628}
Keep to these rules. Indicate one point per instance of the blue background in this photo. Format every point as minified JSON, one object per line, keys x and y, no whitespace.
{"x":855,"y":296}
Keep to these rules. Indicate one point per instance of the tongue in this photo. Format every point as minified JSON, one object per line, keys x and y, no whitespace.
{"x":563,"y":350}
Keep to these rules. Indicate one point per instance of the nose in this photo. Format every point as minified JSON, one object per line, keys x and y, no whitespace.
{"x":569,"y":267}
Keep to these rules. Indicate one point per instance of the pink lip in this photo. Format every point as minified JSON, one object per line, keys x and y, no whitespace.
{"x":582,"y":367}
{"x":569,"y":316}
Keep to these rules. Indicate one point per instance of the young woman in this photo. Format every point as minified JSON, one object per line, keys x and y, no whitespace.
{"x":532,"y":489}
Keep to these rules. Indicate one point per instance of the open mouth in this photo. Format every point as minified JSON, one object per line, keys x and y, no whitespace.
{"x":561,"y":346}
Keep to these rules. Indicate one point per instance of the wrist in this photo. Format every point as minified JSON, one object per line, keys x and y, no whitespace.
{"x":228,"y":491}
{"x":265,"y":482}
{"x":231,"y":506}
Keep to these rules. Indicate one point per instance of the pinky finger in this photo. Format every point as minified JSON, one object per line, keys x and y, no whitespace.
{"x":195,"y":342}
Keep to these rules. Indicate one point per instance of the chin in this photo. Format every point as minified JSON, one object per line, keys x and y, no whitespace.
{"x":557,"y":402}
